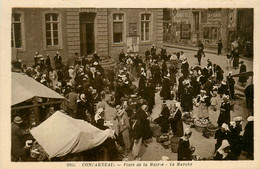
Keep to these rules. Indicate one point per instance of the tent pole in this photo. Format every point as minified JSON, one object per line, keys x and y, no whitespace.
{"x":31,"y":106}
{"x":36,"y":110}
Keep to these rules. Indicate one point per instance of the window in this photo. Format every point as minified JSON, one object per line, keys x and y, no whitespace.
{"x":185,"y":31}
{"x":145,"y":27}
{"x":118,"y":20}
{"x":210,"y":32}
{"x":52,"y":31}
{"x":196,"y":21}
{"x":16,"y":31}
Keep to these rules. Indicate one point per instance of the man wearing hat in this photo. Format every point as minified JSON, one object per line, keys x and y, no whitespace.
{"x":242,"y":79}
{"x":18,"y":150}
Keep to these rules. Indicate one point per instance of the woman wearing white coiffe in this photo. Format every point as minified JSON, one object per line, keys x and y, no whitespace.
{"x":202,"y":104}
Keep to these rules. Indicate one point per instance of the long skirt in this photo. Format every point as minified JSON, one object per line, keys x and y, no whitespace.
{"x":136,"y":147}
{"x":203,"y":111}
{"x":126,"y":139}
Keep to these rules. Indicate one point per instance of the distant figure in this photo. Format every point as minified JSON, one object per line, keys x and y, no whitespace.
{"x":184,"y":149}
{"x":58,"y":61}
{"x":122,"y":56}
{"x":220,"y":46}
{"x":235,"y":55}
{"x":242,"y":79}
{"x":147,"y":54}
{"x":48,"y":62}
{"x":200,"y":53}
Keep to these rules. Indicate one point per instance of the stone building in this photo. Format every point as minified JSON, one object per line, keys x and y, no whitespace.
{"x":186,"y":26}
{"x":84,"y":30}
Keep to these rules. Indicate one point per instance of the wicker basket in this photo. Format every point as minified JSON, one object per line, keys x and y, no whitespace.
{"x":200,"y":128}
{"x":212,"y":131}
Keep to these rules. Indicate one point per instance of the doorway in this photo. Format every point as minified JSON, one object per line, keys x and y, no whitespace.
{"x":87,"y":33}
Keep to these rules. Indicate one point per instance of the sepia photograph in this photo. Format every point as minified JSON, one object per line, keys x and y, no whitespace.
{"x":132,"y":84}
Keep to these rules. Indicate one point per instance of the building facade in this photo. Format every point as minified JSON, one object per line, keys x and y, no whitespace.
{"x":83,"y":30}
{"x":186,"y":26}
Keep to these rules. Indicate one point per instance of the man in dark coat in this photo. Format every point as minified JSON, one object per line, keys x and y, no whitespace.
{"x":122,"y":56}
{"x":220,"y":46}
{"x":58,"y":61}
{"x":48,"y":62}
{"x":153,"y":52}
{"x":185,"y":68}
{"x":224,"y":116}
{"x":242,"y":79}
{"x":18,"y":150}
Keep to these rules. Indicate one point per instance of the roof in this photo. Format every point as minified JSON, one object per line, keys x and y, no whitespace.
{"x":61,"y":134}
{"x":25,"y":88}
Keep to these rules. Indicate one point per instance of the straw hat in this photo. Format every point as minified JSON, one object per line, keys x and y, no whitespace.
{"x":18,"y":120}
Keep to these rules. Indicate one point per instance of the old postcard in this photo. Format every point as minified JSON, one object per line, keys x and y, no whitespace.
{"x":154,"y":84}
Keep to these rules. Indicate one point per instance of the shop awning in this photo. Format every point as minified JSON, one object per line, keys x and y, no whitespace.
{"x":25,"y":87}
{"x":244,"y":74}
{"x":60,"y":134}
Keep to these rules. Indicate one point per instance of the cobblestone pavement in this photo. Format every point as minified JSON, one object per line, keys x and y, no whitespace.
{"x":204,"y":147}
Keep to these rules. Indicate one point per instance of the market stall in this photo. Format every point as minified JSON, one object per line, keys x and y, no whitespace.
{"x":28,"y":95}
{"x":60,"y":135}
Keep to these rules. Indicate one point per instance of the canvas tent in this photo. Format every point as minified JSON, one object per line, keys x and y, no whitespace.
{"x":60,"y":134}
{"x":25,"y":88}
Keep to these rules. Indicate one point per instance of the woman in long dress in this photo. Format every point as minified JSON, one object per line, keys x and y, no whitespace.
{"x":184,"y":149}
{"x":203,"y":103}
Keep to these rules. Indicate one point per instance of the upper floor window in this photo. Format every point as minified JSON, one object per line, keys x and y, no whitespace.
{"x":145,"y":27}
{"x":52,"y":29}
{"x":16,"y":31}
{"x":118,"y":20}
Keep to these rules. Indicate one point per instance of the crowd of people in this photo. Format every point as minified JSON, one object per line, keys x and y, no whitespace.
{"x":90,"y":89}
